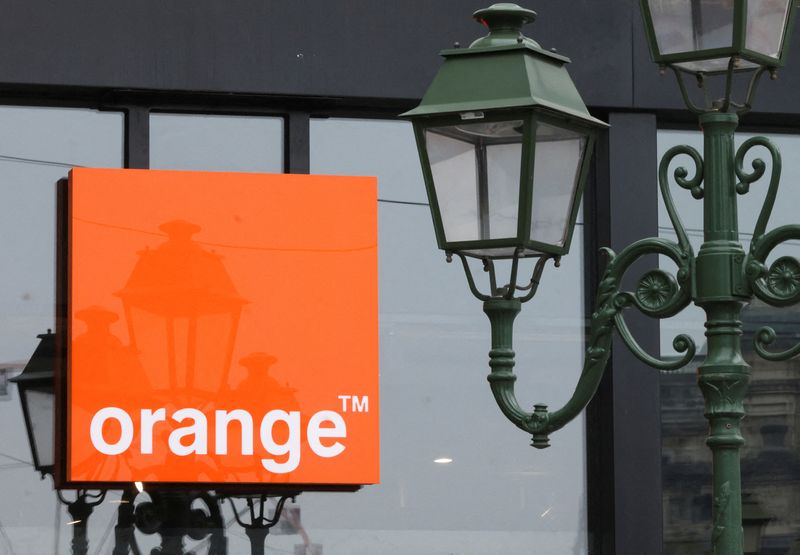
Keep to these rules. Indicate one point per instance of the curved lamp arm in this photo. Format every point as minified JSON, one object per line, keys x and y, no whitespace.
{"x":658,"y":295}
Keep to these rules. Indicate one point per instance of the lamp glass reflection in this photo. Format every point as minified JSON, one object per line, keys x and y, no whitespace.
{"x":476,"y":175}
{"x":766,"y":26}
{"x":40,"y":404}
{"x":559,"y":153}
{"x":694,"y":26}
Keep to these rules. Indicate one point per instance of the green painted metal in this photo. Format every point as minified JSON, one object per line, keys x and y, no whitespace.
{"x":503,"y":70}
{"x":721,"y":280}
{"x":722,"y":291}
{"x":500,"y":77}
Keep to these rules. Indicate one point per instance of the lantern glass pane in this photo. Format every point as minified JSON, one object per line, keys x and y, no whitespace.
{"x":692,"y":25}
{"x":41,"y":413}
{"x":766,"y":25}
{"x":559,"y":153}
{"x":476,"y":175}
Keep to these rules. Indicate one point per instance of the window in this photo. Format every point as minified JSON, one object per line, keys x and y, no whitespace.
{"x":218,"y":143}
{"x":498,"y":494}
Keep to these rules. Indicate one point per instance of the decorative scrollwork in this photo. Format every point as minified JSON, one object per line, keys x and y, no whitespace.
{"x":694,"y":185}
{"x":658,"y":294}
{"x":783,"y":277}
{"x":778,"y":285}
{"x":682,"y":343}
{"x":655,"y":289}
{"x":765,"y":337}
{"x":759,"y":168}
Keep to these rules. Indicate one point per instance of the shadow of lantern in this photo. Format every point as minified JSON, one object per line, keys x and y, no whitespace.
{"x":182,"y":311}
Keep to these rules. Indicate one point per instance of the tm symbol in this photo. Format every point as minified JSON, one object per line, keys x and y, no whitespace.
{"x":354,"y":403}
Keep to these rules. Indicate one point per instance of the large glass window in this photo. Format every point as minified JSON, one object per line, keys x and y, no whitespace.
{"x":771,"y":455}
{"x":456,"y":476}
{"x":497,"y":495}
{"x":38,"y":146}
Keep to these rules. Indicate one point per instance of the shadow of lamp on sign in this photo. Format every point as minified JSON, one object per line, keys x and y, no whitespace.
{"x":505,"y":140}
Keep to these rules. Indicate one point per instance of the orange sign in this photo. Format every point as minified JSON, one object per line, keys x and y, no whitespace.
{"x":222,"y":328}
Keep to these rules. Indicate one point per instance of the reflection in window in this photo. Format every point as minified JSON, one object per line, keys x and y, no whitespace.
{"x":771,"y":455}
{"x":38,"y":146}
{"x":456,"y":476}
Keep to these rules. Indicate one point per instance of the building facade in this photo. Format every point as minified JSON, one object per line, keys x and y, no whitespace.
{"x":316,"y":87}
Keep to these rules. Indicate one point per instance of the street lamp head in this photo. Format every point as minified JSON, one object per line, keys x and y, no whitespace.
{"x":713,"y":36}
{"x":504,"y":141}
{"x":37,"y":397}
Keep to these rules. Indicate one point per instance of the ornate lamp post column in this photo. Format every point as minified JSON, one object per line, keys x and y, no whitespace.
{"x":714,"y":41}
{"x":707,"y":39}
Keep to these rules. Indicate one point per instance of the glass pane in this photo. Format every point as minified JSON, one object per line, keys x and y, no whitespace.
{"x":501,"y":497}
{"x":41,"y":408}
{"x":555,"y":176}
{"x":476,"y":167}
{"x":216,"y":143}
{"x":455,"y":177}
{"x":766,"y":23}
{"x":337,"y":140}
{"x":672,"y":22}
{"x":690,"y":25}
{"x":502,"y":168}
{"x":770,"y":461}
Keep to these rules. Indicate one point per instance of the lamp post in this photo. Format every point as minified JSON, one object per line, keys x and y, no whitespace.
{"x":479,"y":91}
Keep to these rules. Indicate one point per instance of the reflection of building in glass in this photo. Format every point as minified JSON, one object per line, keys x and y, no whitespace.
{"x":770,"y":457}
{"x":7,"y":371}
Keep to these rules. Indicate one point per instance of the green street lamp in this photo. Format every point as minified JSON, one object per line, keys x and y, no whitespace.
{"x":506,"y":102}
{"x":505,"y":142}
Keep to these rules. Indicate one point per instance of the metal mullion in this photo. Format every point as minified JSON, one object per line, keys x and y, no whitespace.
{"x":624,"y":493}
{"x":297,"y":143}
{"x":483,"y":189}
{"x":137,"y":137}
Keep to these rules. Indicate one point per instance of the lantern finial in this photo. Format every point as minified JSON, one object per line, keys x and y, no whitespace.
{"x":505,"y":22}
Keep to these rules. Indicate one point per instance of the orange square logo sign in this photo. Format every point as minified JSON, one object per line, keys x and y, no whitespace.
{"x":222,"y":328}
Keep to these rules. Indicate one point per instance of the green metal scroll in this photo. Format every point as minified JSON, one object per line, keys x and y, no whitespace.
{"x":658,"y":294}
{"x":777,"y":285}
{"x":759,"y":168}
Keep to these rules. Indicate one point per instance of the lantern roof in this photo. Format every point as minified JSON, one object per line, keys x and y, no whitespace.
{"x":40,"y":366}
{"x":180,"y":278}
{"x":503,"y":70}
